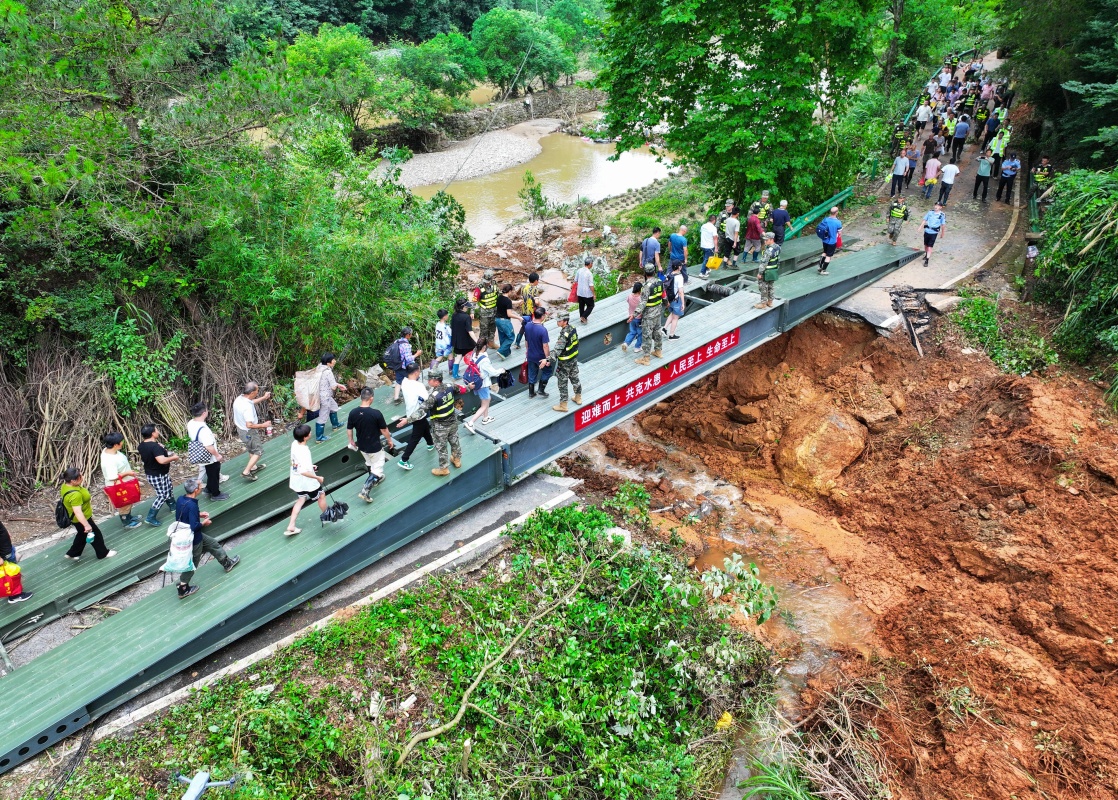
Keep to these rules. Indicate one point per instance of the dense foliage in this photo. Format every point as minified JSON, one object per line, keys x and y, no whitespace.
{"x":1064,"y":58}
{"x":1078,"y":267}
{"x":621,"y":682}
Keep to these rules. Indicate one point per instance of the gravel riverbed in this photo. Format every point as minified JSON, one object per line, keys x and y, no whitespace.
{"x":479,"y":155}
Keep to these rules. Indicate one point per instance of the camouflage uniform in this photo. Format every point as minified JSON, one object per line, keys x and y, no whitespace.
{"x":770,"y":255}
{"x":764,"y":211}
{"x":649,"y":309}
{"x":566,"y":345}
{"x":440,"y":412}
{"x":487,"y":311}
{"x":898,"y":213}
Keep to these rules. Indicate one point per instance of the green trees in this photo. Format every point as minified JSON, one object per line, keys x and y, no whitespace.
{"x":448,"y":64}
{"x":507,"y":38}
{"x":748,"y":92}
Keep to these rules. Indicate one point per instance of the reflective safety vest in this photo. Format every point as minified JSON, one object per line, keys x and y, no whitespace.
{"x":1043,"y":174}
{"x":571,"y":349}
{"x":655,"y":295}
{"x":898,"y":210}
{"x":488,"y":297}
{"x":444,"y":404}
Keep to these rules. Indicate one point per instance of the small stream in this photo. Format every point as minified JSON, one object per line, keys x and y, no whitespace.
{"x":568,"y":167}
{"x":814,"y":621}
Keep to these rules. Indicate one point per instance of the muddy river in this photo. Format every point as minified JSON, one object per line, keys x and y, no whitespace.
{"x":568,"y":167}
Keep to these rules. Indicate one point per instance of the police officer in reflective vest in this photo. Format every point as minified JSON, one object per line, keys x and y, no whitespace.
{"x":566,"y":345}
{"x":649,"y":309}
{"x":439,"y":410}
{"x":487,"y":308}
{"x":898,"y":213}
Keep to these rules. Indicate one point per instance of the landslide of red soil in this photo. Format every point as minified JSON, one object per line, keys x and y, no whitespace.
{"x":979,"y":525}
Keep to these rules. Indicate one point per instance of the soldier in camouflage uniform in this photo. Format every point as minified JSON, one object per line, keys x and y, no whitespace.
{"x":566,"y":348}
{"x":487,"y":308}
{"x":652,"y":318}
{"x":770,"y":255}
{"x":439,"y":410}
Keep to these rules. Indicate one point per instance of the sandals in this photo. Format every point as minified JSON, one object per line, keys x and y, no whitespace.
{"x":292,"y":531}
{"x":487,"y":420}
{"x":470,"y":427}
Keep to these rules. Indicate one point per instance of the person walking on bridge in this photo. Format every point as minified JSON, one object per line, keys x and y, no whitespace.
{"x":186,"y":512}
{"x":115,"y":468}
{"x":635,"y":335}
{"x":677,"y":250}
{"x":487,"y":308}
{"x":210,"y":466}
{"x":781,"y":220}
{"x":249,"y":427}
{"x":649,"y":311}
{"x":364,"y":428}
{"x":439,"y":409}
{"x":832,"y":226}
{"x":898,"y":214}
{"x":566,"y":370}
{"x":528,"y":295}
{"x":399,"y":359}
{"x":327,"y":404}
{"x":414,"y":394}
{"x":505,"y":333}
{"x":708,"y":243}
{"x":303,"y":479}
{"x":157,"y":467}
{"x":79,"y":507}
{"x":770,"y":260}
{"x":538,"y":355}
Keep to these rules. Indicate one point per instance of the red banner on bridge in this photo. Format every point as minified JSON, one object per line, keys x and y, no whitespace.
{"x":676,"y":369}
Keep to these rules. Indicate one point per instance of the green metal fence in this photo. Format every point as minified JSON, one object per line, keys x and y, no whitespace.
{"x":802,"y":221}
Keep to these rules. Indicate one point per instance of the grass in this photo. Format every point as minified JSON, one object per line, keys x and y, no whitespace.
{"x":572,"y":668}
{"x":1012,"y":344}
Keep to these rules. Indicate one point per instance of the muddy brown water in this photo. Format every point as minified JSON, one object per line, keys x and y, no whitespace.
{"x":568,"y":167}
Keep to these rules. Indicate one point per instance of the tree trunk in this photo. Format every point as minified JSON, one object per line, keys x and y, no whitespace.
{"x":893,"y":49}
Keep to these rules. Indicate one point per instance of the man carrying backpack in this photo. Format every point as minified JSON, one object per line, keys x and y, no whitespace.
{"x":399,"y":358}
{"x":487,"y":308}
{"x":566,"y":346}
{"x":438,"y":408}
{"x":650,"y":251}
{"x":828,"y":230}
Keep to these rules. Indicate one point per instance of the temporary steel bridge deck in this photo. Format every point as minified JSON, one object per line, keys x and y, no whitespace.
{"x":64,"y":689}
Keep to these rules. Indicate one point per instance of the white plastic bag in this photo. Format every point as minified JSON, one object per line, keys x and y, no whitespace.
{"x":180,"y":558}
{"x":306,"y":387}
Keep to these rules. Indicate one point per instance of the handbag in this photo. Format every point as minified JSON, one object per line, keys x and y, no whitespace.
{"x":124,"y":494}
{"x":771,"y":274}
{"x":11,"y":581}
{"x":838,"y":239}
{"x":196,"y":452}
{"x":524,"y":372}
{"x":573,"y":296}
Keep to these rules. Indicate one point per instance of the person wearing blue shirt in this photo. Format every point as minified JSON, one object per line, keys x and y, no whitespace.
{"x":781,"y":220}
{"x":830,"y":242}
{"x":677,"y":250}
{"x":1010,"y":168}
{"x":935,"y":221}
{"x":540,"y":365}
{"x":960,"y":140}
{"x":187,"y":513}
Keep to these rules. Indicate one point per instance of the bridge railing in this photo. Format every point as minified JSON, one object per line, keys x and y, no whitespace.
{"x":802,"y":221}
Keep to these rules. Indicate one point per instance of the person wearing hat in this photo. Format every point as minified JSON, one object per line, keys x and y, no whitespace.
{"x":763,"y":208}
{"x":584,"y":289}
{"x":487,"y":308}
{"x":566,"y":349}
{"x":1010,"y":167}
{"x":724,"y":215}
{"x":770,"y":256}
{"x":439,"y":410}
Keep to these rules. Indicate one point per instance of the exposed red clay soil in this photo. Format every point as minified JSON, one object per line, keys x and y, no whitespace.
{"x":978,"y":524}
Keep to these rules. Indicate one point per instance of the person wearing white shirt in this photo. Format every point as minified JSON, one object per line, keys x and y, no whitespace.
{"x":947,"y":182}
{"x":708,"y":236}
{"x":485,"y":391}
{"x":115,"y":468}
{"x":210,"y":470}
{"x":584,"y":289}
{"x":249,"y":427}
{"x":303,"y":481}
{"x":414,"y":394}
{"x":923,"y":115}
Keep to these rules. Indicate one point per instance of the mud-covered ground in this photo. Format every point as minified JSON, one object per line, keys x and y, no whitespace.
{"x":973,"y":514}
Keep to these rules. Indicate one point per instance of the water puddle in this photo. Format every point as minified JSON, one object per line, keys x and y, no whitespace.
{"x":817,"y":616}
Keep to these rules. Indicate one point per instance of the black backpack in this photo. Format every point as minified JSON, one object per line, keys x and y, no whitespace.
{"x":392,"y":358}
{"x":669,"y":287}
{"x":62,"y":514}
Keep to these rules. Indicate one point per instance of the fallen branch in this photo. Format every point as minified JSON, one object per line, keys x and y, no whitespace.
{"x":465,"y":703}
